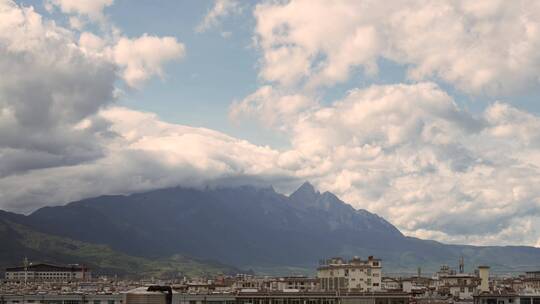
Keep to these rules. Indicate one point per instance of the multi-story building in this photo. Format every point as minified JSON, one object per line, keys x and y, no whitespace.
{"x":47,"y":272}
{"x":416,"y":285}
{"x":531,"y":282}
{"x":245,"y":282}
{"x":299,"y":283}
{"x":459,"y":285}
{"x":354,"y":275}
{"x":502,"y":297}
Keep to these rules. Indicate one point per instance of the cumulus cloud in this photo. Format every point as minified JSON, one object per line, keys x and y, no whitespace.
{"x":144,"y":57}
{"x":48,"y":85}
{"x":53,"y":85}
{"x":91,"y":9}
{"x":221,"y":9}
{"x":274,"y":108}
{"x":485,"y":47}
{"x":137,"y":58}
{"x":409,"y":153}
{"x":144,"y":153}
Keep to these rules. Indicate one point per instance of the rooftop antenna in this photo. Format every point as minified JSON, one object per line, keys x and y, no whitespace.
{"x":461,"y":265}
{"x":25,"y":263}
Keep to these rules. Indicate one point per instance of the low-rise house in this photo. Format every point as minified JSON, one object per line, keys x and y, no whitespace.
{"x":388,"y":283}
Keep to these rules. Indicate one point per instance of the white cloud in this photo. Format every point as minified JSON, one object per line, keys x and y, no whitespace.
{"x":53,"y":85}
{"x":144,"y":57}
{"x":93,"y":9}
{"x":91,"y":42}
{"x":139,"y":58}
{"x":48,"y":86}
{"x":410,"y":154}
{"x":481,"y":47}
{"x":144,"y":153}
{"x":274,"y":109}
{"x":221,"y":9}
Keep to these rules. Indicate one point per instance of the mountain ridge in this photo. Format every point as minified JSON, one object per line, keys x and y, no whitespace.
{"x":258,"y":228}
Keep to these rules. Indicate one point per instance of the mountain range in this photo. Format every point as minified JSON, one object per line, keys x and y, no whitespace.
{"x":227,"y":230}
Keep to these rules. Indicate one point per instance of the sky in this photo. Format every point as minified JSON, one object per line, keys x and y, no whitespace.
{"x":424,"y":112}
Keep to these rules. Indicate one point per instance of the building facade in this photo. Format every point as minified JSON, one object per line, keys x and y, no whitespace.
{"x":531,"y":282}
{"x":506,"y":298}
{"x":47,"y":273}
{"x":353,"y":275}
{"x":460,"y":285}
{"x":294,"y":284}
{"x":139,"y":296}
{"x":294,"y":298}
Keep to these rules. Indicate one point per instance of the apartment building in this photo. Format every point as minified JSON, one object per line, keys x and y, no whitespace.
{"x":299,"y":283}
{"x":47,"y":272}
{"x":459,"y":285}
{"x":353,"y":275}
{"x":531,"y":281}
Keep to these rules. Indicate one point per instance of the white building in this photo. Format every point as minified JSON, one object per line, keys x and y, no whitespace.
{"x":299,"y":283}
{"x":354,"y":275}
{"x":461,"y":285}
{"x":388,"y":283}
{"x":501,"y":297}
{"x":46,"y":272}
{"x":531,"y":282}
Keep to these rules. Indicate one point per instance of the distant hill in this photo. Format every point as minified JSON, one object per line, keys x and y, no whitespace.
{"x":18,"y":241}
{"x":255,"y":228}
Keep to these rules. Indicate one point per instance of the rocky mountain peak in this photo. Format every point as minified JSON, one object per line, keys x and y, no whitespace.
{"x":306,"y":194}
